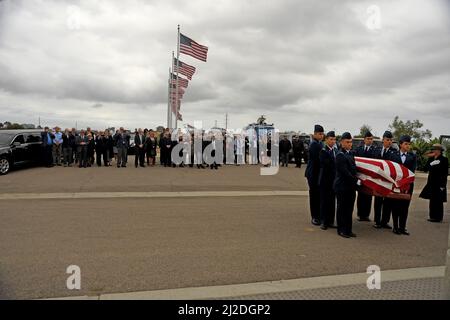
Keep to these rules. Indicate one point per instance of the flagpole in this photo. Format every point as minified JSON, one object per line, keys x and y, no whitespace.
{"x":178,"y":67}
{"x":176,"y":89}
{"x":168,"y":102}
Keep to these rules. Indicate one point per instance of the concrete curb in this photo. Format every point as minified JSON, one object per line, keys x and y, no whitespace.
{"x":227,"y":291}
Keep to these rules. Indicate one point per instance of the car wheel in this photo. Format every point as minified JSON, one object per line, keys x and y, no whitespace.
{"x":5,"y":166}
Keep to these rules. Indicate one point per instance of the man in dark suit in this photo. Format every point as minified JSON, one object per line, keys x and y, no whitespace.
{"x":312,"y":174}
{"x":122,"y":141}
{"x":345,"y":186}
{"x":327,"y":175}
{"x":298,"y":148}
{"x":383,"y":206}
{"x":400,"y":208}
{"x":285,"y":146}
{"x":165,"y":145}
{"x":139,"y":142}
{"x":364,"y":201}
{"x":82,"y":142}
{"x":436,"y":188}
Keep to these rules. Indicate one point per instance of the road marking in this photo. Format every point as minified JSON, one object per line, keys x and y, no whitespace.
{"x":182,"y":194}
{"x":248,"y":289}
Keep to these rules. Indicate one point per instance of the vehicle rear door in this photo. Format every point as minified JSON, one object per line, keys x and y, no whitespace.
{"x":19,"y":149}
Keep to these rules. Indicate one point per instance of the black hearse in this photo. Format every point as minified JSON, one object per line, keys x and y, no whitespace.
{"x":19,"y":147}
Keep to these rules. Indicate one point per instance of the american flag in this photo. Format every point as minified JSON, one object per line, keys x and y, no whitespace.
{"x":181,"y":82}
{"x":173,"y":86}
{"x":384,"y":178}
{"x":192,"y":48}
{"x":174,"y":104}
{"x":184,"y":68}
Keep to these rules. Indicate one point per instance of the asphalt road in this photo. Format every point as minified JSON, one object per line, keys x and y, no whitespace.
{"x":129,"y":244}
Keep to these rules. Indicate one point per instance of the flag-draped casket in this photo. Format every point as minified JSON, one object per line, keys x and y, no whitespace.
{"x":384,"y":178}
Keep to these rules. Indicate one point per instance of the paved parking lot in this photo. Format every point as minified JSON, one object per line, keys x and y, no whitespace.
{"x":151,"y":243}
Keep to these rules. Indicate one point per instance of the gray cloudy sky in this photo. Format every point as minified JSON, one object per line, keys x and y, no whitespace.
{"x":105,"y":63}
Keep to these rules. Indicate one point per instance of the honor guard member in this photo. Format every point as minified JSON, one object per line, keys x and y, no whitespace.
{"x":383,"y":206}
{"x":312,"y":174}
{"x":400,"y":208}
{"x":364,"y":202}
{"x":326,"y":179}
{"x":345,"y":186}
{"x":436,"y":187}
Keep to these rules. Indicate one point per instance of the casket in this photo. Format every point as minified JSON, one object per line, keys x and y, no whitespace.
{"x":384,"y":178}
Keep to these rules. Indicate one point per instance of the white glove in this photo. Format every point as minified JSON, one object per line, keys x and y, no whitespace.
{"x":435,"y":162}
{"x":358,"y":183}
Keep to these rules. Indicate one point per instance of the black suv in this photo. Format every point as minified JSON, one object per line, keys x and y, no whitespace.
{"x":19,"y":147}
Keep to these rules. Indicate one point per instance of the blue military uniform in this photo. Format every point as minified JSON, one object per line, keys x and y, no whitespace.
{"x":400,"y":208}
{"x":383,"y":206}
{"x":312,"y":174}
{"x":327,"y":175}
{"x":345,"y":186}
{"x":364,"y":202}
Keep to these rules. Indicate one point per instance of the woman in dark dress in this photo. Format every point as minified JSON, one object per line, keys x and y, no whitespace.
{"x":150,"y":145}
{"x":436,"y":187}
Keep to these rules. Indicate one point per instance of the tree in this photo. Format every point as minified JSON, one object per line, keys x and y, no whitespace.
{"x":363,"y":130}
{"x":412,"y":128}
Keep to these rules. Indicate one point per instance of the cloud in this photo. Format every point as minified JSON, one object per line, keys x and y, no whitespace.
{"x":298,"y":62}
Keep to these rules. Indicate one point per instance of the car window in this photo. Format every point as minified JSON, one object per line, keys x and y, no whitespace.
{"x":33,"y":138}
{"x":19,"y":138}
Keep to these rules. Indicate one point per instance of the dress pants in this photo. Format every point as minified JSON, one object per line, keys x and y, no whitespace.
{"x":400,"y":214}
{"x":122,"y":156}
{"x":364,"y":205}
{"x":139,"y":157}
{"x":383,"y":209}
{"x":327,"y":206}
{"x":83,"y":157}
{"x":344,"y":213}
{"x":314,"y":201}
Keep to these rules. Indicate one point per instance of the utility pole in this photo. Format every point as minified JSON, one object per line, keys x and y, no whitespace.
{"x":226,"y":121}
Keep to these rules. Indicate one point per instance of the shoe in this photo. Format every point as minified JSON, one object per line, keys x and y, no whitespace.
{"x":323,"y":227}
{"x":404,"y":232}
{"x":217,"y":168}
{"x":396,"y":231}
{"x":377,"y":226}
{"x":386,"y":226}
{"x":124,"y":166}
{"x":315,"y":222}
{"x":352,"y":235}
{"x":343,"y":235}
{"x":364,"y":219}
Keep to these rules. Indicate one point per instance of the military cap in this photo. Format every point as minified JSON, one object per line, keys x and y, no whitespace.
{"x":388,"y":134}
{"x":346,"y":135}
{"x":318,"y":128}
